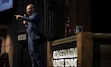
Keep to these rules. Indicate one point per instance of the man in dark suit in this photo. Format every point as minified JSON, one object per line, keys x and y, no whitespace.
{"x":32,"y":21}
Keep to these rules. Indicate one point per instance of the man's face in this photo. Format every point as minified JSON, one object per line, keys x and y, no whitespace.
{"x":29,"y":10}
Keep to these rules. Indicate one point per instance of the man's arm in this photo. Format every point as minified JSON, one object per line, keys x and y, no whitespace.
{"x":34,"y":17}
{"x":18,"y":16}
{"x":24,"y":21}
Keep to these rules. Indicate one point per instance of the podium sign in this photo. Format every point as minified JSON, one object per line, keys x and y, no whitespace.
{"x":21,"y":37}
{"x":65,"y":57}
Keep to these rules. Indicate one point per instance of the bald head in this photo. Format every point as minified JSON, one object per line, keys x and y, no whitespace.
{"x":30,"y":9}
{"x":31,"y":5}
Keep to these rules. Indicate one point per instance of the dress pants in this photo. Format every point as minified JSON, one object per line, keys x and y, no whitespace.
{"x":33,"y":52}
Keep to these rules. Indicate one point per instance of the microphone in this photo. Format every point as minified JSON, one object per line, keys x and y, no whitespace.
{"x":24,"y":20}
{"x":24,"y":15}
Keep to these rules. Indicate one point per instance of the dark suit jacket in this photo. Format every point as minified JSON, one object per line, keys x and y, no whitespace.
{"x":33,"y":26}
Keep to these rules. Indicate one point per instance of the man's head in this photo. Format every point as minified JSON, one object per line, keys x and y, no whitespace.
{"x":29,"y":9}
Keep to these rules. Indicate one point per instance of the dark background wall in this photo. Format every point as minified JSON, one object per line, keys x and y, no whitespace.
{"x":100,"y":16}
